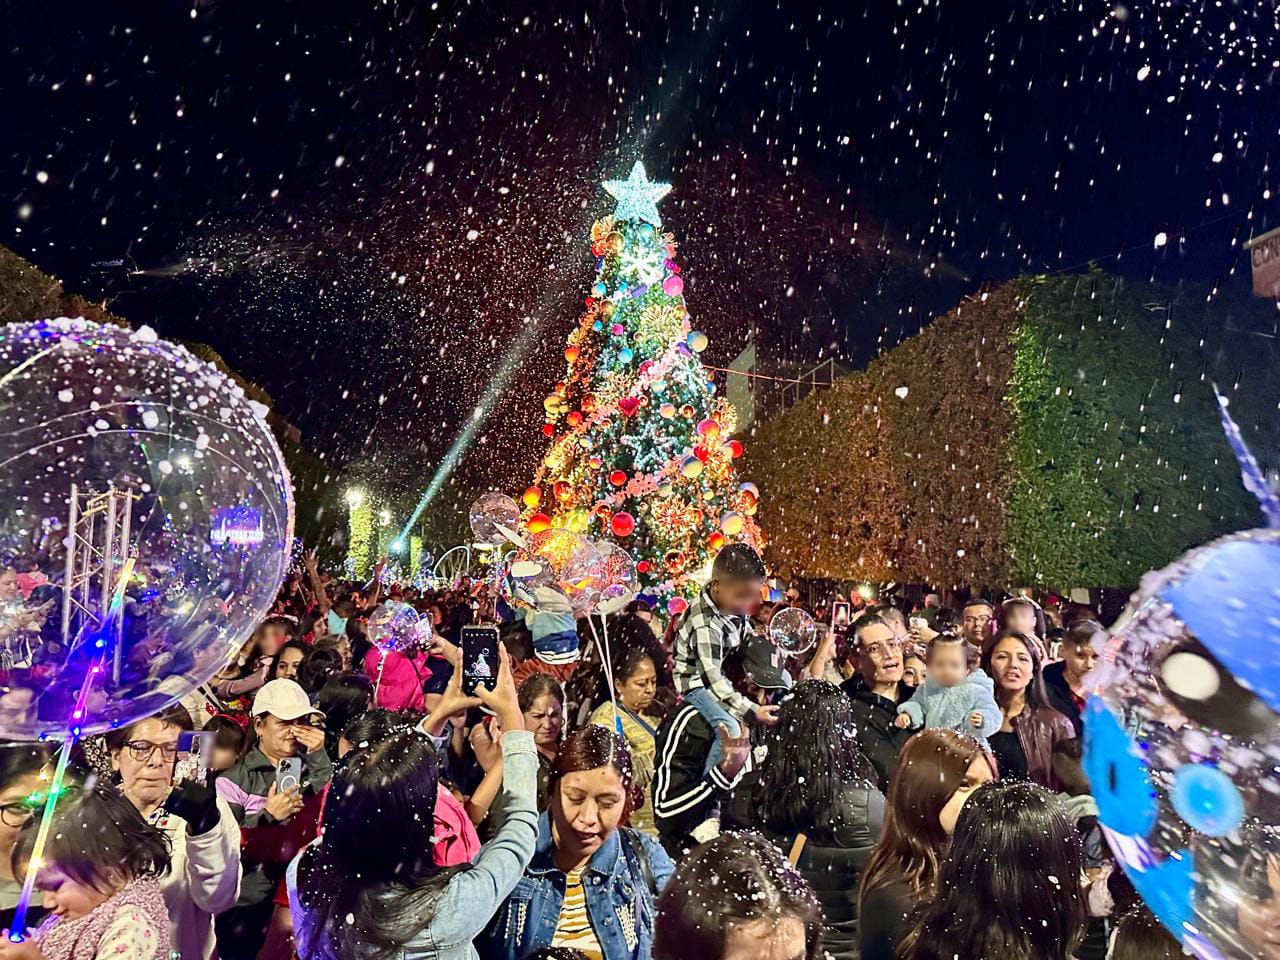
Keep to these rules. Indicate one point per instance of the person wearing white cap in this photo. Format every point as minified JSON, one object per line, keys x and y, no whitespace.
{"x":285,"y":725}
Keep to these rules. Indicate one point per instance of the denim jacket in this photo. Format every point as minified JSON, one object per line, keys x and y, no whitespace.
{"x":619,"y":901}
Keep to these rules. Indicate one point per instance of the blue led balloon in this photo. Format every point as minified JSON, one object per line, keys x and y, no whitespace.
{"x":1206,"y":798}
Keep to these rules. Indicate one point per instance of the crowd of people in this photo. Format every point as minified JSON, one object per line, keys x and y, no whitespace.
{"x":639,"y":788}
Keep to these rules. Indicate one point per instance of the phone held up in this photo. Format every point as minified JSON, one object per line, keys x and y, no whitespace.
{"x":289,"y":774}
{"x":195,"y":748}
{"x":479,"y":658}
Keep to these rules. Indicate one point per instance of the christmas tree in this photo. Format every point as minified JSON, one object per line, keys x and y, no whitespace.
{"x":642,"y":450}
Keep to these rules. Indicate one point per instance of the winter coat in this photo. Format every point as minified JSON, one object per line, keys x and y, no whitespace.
{"x":269,"y":845}
{"x":948,"y":708}
{"x":873,"y":714}
{"x":203,"y":879}
{"x":621,"y":882}
{"x":397,"y":679}
{"x":1038,"y":729}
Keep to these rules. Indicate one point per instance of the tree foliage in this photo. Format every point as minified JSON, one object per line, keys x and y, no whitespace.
{"x":1048,"y":431}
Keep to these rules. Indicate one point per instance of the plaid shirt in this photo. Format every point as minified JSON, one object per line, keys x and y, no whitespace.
{"x":706,"y":636}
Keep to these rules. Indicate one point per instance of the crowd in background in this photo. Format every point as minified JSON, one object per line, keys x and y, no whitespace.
{"x":909,"y":787}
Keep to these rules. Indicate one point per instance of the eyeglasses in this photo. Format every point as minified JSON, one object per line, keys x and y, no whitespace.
{"x":16,"y":814}
{"x":141,"y":750}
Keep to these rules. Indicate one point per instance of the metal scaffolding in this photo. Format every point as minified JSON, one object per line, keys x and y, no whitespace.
{"x":98,"y":550}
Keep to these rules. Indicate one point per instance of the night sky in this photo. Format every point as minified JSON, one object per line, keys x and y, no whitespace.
{"x":367,"y":206}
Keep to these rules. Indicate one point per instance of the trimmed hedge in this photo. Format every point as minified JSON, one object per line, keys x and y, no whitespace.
{"x":1052,"y":432}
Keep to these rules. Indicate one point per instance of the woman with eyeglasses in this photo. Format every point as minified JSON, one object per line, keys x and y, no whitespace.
{"x":24,"y":775}
{"x":204,"y":837}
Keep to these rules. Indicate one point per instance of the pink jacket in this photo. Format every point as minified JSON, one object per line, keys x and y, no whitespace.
{"x":400,"y":687}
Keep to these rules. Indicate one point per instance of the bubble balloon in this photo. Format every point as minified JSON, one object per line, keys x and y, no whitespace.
{"x":183,"y":527}
{"x":793,"y":631}
{"x":583,"y":577}
{"x":619,"y":580}
{"x":494,"y":518}
{"x":395,"y":625}
{"x":1182,"y":734}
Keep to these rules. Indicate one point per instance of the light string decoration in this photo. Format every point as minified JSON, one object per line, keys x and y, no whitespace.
{"x":641,"y":448}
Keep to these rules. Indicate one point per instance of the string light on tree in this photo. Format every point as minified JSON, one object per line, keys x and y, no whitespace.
{"x":641,"y":446}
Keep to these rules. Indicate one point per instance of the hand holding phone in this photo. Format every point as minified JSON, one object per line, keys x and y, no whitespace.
{"x":480,"y":662}
{"x":195,"y":747}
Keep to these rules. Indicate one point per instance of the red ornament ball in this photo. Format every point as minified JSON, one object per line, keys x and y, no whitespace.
{"x":735,"y":449}
{"x":548,"y":429}
{"x":571,"y":354}
{"x":574,"y":418}
{"x":539,"y":523}
{"x":701,"y":453}
{"x":617,"y":478}
{"x":716,"y":540}
{"x":622,"y":524}
{"x":643,"y":567}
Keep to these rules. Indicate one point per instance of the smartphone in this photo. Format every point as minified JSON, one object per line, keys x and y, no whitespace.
{"x":289,"y":774}
{"x":195,"y":748}
{"x":479,"y":658}
{"x":918,"y":623}
{"x":840,"y":614}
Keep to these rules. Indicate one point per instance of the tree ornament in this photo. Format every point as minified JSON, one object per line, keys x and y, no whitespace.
{"x":617,"y":478}
{"x":622,"y":524}
{"x":698,"y":341}
{"x":637,"y":197}
{"x":532,"y":497}
{"x":538,"y":523}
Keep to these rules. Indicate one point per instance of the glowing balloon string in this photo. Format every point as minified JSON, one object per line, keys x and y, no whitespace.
{"x":608,"y":666}
{"x":1255,"y":481}
{"x":18,"y":927}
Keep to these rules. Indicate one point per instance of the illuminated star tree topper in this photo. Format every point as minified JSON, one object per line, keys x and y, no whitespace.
{"x":638,"y":196}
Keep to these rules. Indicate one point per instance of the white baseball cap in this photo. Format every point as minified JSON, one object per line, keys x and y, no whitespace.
{"x":284,"y":699}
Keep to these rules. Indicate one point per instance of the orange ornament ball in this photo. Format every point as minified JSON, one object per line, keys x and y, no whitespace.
{"x":532,"y":497}
{"x":539,"y":523}
{"x":575,"y":419}
{"x":571,"y":354}
{"x":715,"y":541}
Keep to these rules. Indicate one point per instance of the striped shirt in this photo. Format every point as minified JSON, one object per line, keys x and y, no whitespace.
{"x":573,"y":929}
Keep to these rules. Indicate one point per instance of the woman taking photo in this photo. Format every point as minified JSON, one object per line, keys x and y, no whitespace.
{"x":1009,"y":886}
{"x":542,"y":708}
{"x":816,"y":798}
{"x":635,"y":682}
{"x":737,"y":897}
{"x":202,"y":833}
{"x":591,"y":884}
{"x":1024,"y":745}
{"x":356,"y":893}
{"x":937,"y":773}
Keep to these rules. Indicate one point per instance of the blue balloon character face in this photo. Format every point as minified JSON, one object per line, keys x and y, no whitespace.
{"x":1182,"y":737}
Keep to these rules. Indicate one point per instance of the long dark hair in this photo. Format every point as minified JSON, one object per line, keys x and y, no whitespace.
{"x":931,"y":767}
{"x":96,"y":834}
{"x":1036,"y":696}
{"x":386,"y":790}
{"x":735,"y":879}
{"x":813,"y":756}
{"x":273,"y":671}
{"x":1009,"y":887}
{"x":342,"y":699}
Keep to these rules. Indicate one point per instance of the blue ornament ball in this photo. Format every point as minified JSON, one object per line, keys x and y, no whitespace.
{"x":1182,"y":732}
{"x":626,"y":355}
{"x":598,"y":289}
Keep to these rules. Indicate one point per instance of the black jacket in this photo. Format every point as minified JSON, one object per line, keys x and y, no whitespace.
{"x":832,"y":861}
{"x":684,"y":796}
{"x":1060,"y":698}
{"x":880,"y":740}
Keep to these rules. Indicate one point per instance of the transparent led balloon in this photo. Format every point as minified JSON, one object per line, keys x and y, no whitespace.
{"x":1182,"y":745}
{"x":182,"y":535}
{"x":494,"y":518}
{"x":793,"y":631}
{"x":394,"y":626}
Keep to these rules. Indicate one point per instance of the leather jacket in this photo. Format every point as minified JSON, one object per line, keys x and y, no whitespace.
{"x":1038,"y":729}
